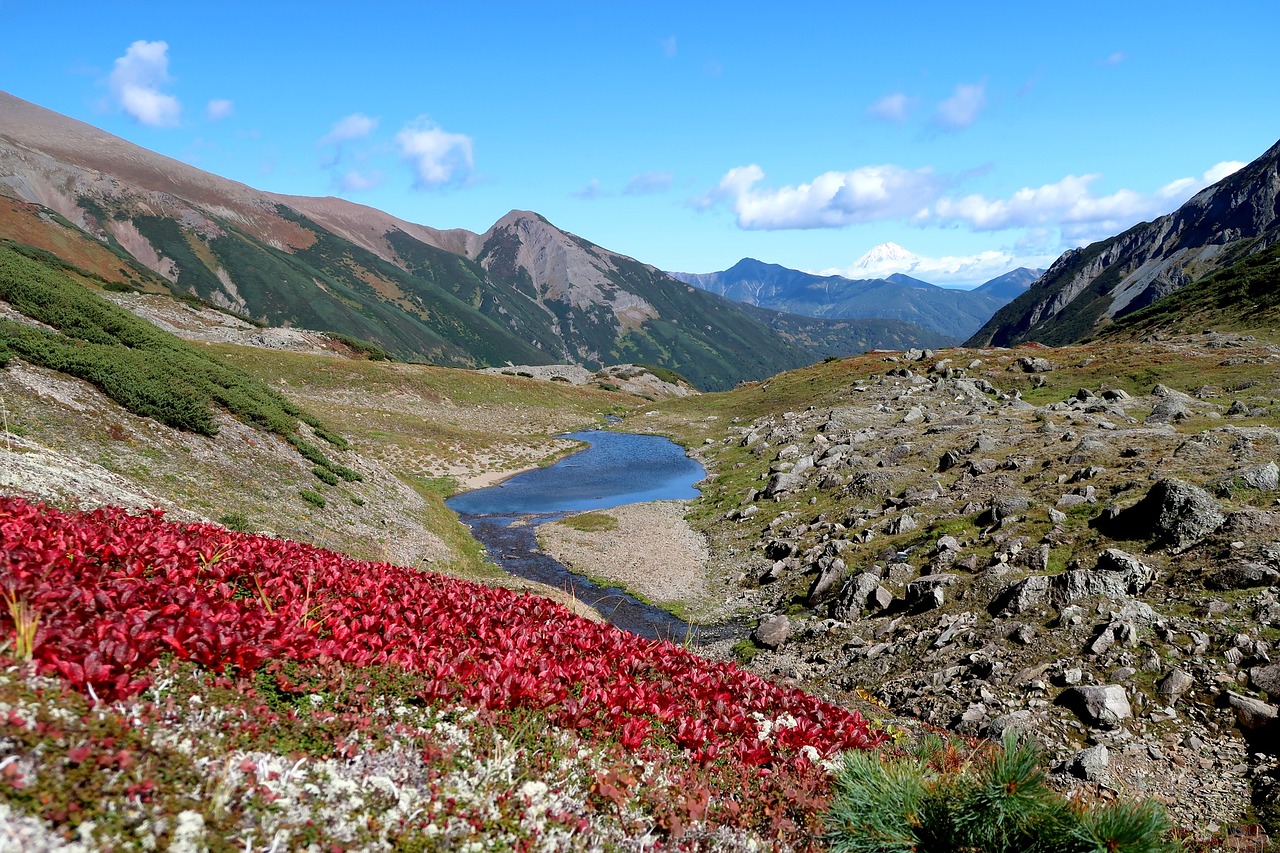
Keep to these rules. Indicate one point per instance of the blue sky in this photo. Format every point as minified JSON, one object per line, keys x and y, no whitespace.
{"x":689,"y":135}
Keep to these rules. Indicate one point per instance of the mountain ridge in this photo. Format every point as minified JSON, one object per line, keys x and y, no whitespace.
{"x":523,"y":292}
{"x":952,"y":313}
{"x":1087,"y":287}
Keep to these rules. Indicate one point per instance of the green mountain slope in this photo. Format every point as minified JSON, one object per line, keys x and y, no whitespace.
{"x":1089,"y":287}
{"x":524,"y":292}
{"x":1242,"y":297}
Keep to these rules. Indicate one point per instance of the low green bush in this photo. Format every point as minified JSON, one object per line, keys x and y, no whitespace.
{"x":237,"y":521}
{"x":325,"y":475}
{"x":314,"y":498}
{"x":935,"y":800}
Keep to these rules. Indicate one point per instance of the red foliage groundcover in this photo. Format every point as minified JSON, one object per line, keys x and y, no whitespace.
{"x":116,"y":591}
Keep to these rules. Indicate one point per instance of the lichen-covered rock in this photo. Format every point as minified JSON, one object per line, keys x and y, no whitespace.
{"x":1102,"y":705}
{"x":1023,"y":595}
{"x":1242,"y":576}
{"x":1176,"y":684}
{"x":926,"y":591}
{"x":1091,"y":764}
{"x":1173,"y":514}
{"x":773,"y":631}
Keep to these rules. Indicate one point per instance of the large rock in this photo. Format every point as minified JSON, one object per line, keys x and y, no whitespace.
{"x":1174,"y":685}
{"x":832,"y":571}
{"x":1021,"y":596}
{"x":1091,"y":764}
{"x":1264,"y":478}
{"x":1242,"y":576}
{"x":926,"y":591}
{"x":1105,"y":705}
{"x":1266,"y":679}
{"x":1252,"y":714}
{"x":773,"y":631}
{"x":1115,"y":576}
{"x":1173,"y":513}
{"x":1029,"y":364}
{"x":858,"y":594}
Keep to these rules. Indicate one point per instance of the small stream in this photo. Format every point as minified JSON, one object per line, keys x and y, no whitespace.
{"x":617,"y":468}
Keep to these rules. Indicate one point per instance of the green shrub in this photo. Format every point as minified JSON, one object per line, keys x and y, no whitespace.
{"x":314,"y":498}
{"x":236,"y":521}
{"x":325,"y":475}
{"x":366,"y":348}
{"x":147,"y":371}
{"x":346,"y":473}
{"x":997,"y":801}
{"x":745,"y":650}
{"x":666,"y":374}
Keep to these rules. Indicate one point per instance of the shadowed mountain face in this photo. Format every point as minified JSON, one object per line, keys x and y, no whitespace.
{"x":523,"y":292}
{"x":953,"y":313}
{"x":1087,"y":288}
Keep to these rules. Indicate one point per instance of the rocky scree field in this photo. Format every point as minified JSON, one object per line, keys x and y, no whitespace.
{"x":1082,"y":544}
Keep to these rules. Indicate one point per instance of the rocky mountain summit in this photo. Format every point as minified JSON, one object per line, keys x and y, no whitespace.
{"x":1087,"y":287}
{"x":523,"y":292}
{"x":950,"y":314}
{"x":1045,"y":540}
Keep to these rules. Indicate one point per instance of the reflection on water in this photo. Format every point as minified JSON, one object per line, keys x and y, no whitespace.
{"x":617,"y":468}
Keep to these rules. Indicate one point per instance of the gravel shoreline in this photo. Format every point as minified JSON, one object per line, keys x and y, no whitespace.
{"x":653,"y":552}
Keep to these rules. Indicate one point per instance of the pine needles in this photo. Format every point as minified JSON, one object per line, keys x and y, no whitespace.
{"x":998,"y":801}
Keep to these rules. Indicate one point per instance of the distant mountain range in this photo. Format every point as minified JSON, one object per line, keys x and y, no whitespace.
{"x":523,"y":292}
{"x":955,"y":314}
{"x":1087,"y":288}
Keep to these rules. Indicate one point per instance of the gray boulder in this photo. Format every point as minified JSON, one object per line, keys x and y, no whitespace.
{"x":1266,"y":679}
{"x":1168,"y":410}
{"x":1115,"y":575}
{"x":773,"y":631}
{"x":1024,"y":595}
{"x":857,"y":595}
{"x":1173,"y":513}
{"x":1242,"y":576}
{"x":926,"y":591}
{"x":1090,"y":764}
{"x":1027,"y":364}
{"x":832,"y":571}
{"x":1264,"y":477}
{"x":1175,"y":685}
{"x":1105,"y":706}
{"x":1252,"y":714}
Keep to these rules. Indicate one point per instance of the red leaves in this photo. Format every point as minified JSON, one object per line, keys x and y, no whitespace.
{"x":118,"y":591}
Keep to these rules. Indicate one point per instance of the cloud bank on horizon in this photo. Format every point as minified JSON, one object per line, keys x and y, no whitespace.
{"x":658,"y":132}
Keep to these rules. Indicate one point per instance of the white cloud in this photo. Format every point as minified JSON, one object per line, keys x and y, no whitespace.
{"x":354,"y":126}
{"x":647,"y":183}
{"x":135,"y":83}
{"x":1116,"y":58}
{"x":668,"y":45}
{"x":355,"y":181}
{"x":437,"y":156}
{"x":831,"y":200}
{"x":219,"y":108}
{"x":590,"y":191}
{"x":1071,"y":206}
{"x":1219,"y":171}
{"x":892,"y":108}
{"x":963,"y":107}
{"x":959,"y":270}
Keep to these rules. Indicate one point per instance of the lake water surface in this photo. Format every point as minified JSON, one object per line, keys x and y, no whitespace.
{"x":618,"y":468}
